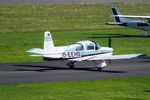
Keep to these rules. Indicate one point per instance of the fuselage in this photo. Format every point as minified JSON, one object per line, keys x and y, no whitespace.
{"x":137,"y":25}
{"x":78,"y":50}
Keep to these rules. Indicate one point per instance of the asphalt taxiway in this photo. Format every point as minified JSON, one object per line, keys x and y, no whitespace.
{"x":63,"y":1}
{"x":58,"y":71}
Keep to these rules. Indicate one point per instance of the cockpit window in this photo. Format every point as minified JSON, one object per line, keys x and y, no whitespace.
{"x":76,"y":47}
{"x":83,"y":45}
{"x":90,"y":46}
{"x":79,"y":47}
{"x":97,"y":46}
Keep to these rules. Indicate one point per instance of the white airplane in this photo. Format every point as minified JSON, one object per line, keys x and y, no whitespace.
{"x":125,"y":20}
{"x":77,"y":52}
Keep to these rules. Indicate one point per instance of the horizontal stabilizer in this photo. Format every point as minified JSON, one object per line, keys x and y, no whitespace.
{"x":53,"y":55}
{"x":114,"y":23}
{"x":36,"y":51}
{"x":34,"y":55}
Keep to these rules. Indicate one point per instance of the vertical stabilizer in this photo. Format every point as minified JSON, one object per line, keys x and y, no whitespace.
{"x":115,"y":12}
{"x":118,"y":19}
{"x":48,"y":43}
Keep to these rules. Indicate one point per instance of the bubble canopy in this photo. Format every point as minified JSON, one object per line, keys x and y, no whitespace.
{"x":84,"y":45}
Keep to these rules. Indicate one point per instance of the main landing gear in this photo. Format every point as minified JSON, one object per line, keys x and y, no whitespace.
{"x":98,"y":64}
{"x":71,"y":64}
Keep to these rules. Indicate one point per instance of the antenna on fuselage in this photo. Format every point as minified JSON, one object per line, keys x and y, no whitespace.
{"x":67,"y":43}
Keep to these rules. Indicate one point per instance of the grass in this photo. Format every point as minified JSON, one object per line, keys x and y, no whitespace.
{"x":137,"y":88}
{"x":22,"y":27}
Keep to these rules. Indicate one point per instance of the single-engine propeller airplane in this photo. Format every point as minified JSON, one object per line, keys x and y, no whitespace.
{"x":79,"y":51}
{"x":125,"y":20}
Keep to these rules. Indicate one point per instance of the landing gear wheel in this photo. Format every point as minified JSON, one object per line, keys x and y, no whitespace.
{"x":99,"y":69}
{"x":100,"y":65}
{"x":71,"y":67}
{"x":71,"y":64}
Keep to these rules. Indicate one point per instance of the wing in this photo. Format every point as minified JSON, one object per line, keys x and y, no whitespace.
{"x":131,"y":16}
{"x":113,"y":57}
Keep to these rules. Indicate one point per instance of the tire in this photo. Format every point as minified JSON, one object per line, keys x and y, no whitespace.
{"x":99,"y":69}
{"x":71,"y":64}
{"x":71,"y":67}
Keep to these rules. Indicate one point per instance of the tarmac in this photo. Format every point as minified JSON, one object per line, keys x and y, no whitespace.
{"x":64,"y":1}
{"x":58,"y":71}
{"x":54,"y":71}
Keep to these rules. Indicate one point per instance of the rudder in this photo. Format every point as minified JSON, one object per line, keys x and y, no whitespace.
{"x":48,"y":43}
{"x":115,"y":12}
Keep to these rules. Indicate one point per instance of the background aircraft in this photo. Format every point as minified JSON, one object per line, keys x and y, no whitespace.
{"x":125,"y":20}
{"x":79,"y":51}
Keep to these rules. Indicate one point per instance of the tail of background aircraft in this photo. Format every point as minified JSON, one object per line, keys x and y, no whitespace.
{"x":48,"y":43}
{"x":118,"y":19}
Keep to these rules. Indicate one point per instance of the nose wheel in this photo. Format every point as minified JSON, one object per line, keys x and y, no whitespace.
{"x":71,"y":64}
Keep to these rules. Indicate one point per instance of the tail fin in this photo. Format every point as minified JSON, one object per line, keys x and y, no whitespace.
{"x":48,"y":43}
{"x":116,"y":11}
{"x":118,"y":19}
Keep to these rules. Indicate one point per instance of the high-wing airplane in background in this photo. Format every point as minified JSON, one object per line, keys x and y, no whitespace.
{"x":78,"y":52}
{"x":125,"y":20}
